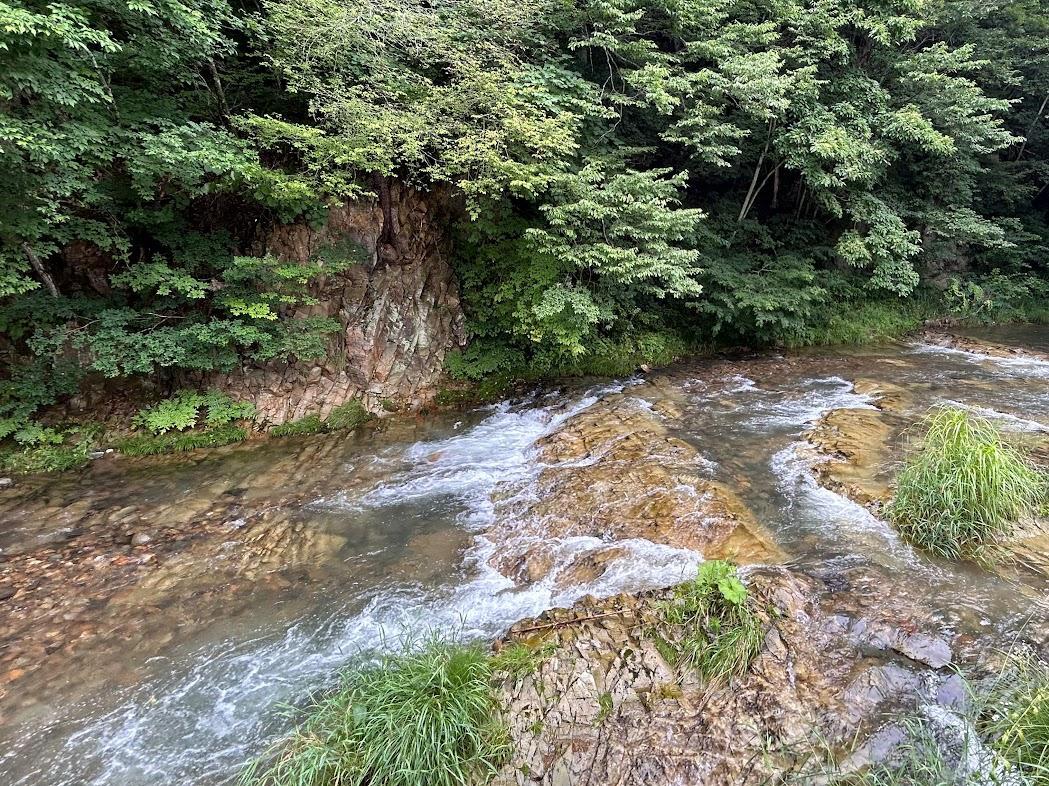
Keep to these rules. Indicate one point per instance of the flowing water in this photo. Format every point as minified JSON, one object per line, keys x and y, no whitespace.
{"x":387,"y":534}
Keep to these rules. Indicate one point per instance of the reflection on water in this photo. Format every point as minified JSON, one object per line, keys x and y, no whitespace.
{"x":384,"y":534}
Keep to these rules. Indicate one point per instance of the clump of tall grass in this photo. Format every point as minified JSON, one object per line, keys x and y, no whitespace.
{"x":965,"y":488}
{"x":181,"y":442}
{"x":718,"y":633}
{"x":1016,"y":719}
{"x":427,"y":715}
{"x":344,"y":417}
{"x":1001,"y":737}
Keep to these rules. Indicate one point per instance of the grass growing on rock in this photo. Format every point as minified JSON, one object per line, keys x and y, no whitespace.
{"x":719,"y":632}
{"x":965,"y":488}
{"x":311,"y":424}
{"x":178,"y":442}
{"x":427,"y":715}
{"x":342,"y":418}
{"x":998,"y":737}
{"x":1016,"y":718}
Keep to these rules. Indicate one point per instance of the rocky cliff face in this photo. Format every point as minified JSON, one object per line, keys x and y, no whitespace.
{"x":398,"y":308}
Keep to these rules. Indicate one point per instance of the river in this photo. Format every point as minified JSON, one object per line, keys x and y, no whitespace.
{"x":271,"y":566}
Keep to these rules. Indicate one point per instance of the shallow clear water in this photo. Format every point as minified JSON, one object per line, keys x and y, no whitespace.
{"x":403,"y":515}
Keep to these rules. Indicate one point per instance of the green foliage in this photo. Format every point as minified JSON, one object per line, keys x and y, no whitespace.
{"x":310,"y":424}
{"x":867,"y":322}
{"x":996,"y":298}
{"x":1016,"y":716}
{"x":732,"y":172}
{"x":346,"y":417}
{"x":520,"y":659}
{"x":964,"y":488}
{"x":180,"y":442}
{"x":188,"y":408}
{"x":719,"y":633}
{"x":34,"y":447}
{"x":427,"y":715}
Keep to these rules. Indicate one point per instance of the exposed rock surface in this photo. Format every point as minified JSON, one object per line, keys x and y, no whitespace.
{"x":854,"y":452}
{"x":398,"y":309}
{"x":614,"y":473}
{"x":606,"y":709}
{"x":980,"y":346}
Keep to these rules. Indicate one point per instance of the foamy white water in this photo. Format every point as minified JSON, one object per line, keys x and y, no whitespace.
{"x":219,"y":704}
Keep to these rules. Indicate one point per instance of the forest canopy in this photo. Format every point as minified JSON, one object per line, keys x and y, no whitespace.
{"x":631,"y":171}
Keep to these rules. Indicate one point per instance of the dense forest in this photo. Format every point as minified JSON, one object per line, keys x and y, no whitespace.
{"x":635,"y":176}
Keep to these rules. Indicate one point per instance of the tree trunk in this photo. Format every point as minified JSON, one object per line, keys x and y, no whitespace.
{"x":388,"y":234}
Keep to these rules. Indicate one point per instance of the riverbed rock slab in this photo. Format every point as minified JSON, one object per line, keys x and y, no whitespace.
{"x":615,"y":473}
{"x":605,"y":708}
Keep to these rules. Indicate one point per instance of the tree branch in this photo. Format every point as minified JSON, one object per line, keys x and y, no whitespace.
{"x":41,"y":271}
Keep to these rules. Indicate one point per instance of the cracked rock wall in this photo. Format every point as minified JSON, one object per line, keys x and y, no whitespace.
{"x":398,"y":309}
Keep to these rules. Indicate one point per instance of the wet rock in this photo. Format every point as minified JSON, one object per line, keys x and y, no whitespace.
{"x":607,"y":708}
{"x":979,"y":346}
{"x":141,"y":539}
{"x":953,"y":693}
{"x":886,"y":396}
{"x":930,"y":650}
{"x":6,"y":483}
{"x":964,"y":751}
{"x":853,"y":452}
{"x":613,"y":474}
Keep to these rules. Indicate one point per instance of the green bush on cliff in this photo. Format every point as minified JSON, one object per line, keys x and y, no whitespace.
{"x":190,"y":408}
{"x":423,"y":716}
{"x":310,"y":424}
{"x":965,"y":488}
{"x":719,"y":632}
{"x":347,"y":416}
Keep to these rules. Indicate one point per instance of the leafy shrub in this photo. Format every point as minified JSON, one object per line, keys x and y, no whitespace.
{"x":183,"y":411}
{"x":422,"y":716}
{"x":342,"y":418}
{"x":864,"y":323}
{"x":720,"y":634}
{"x":46,"y":458}
{"x":311,"y":424}
{"x":156,"y":444}
{"x":964,"y":488}
{"x":40,"y":448}
{"x":997,"y":297}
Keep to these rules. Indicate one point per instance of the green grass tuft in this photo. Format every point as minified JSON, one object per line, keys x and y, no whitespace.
{"x":342,"y":418}
{"x":520,"y":660}
{"x":347,"y":416}
{"x":178,"y":442}
{"x":1017,"y":717}
{"x":965,"y":488}
{"x":311,"y":424}
{"x":719,"y":632}
{"x":424,"y":716}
